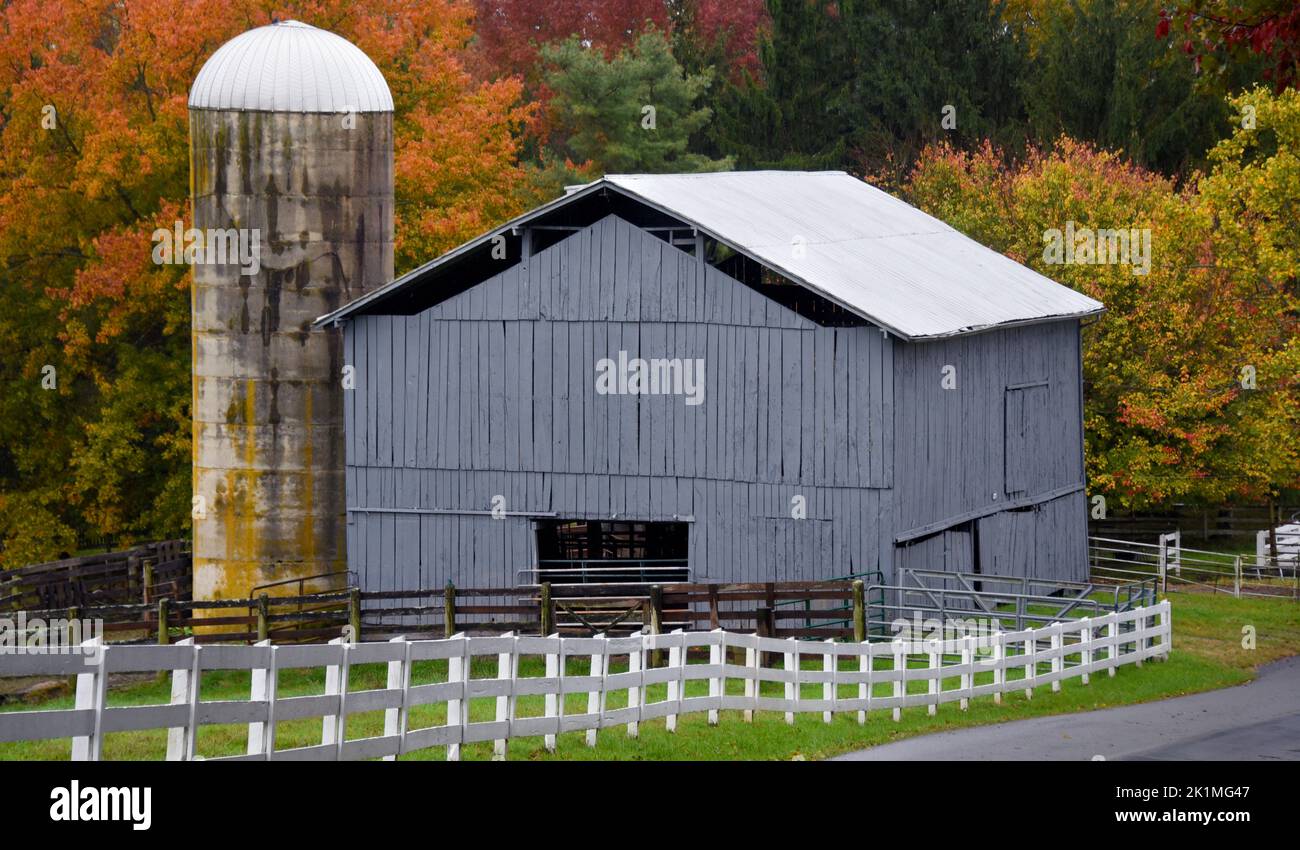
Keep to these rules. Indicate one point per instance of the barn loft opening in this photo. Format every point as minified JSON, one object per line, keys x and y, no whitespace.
{"x":479,"y":262}
{"x":582,"y":551}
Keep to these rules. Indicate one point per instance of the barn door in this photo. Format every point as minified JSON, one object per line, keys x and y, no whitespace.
{"x":1024,"y":445}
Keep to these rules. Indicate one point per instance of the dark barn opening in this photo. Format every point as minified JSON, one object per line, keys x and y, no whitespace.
{"x":580,"y":551}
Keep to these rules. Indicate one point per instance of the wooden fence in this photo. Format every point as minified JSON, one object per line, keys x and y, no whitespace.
{"x":138,"y":575}
{"x":776,"y":609}
{"x":805,"y":609}
{"x":913,"y":675}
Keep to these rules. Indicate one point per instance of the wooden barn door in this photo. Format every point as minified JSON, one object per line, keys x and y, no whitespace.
{"x":1024,"y":444}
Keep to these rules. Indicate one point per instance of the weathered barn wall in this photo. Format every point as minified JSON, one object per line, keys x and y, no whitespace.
{"x":493,"y":392}
{"x":268,"y":405}
{"x":1007,"y":436}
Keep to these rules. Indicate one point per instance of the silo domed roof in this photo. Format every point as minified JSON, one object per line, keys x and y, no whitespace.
{"x":290,"y":67}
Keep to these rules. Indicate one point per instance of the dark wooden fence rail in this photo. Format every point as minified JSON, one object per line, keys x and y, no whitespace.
{"x":139,"y":575}
{"x":778,"y":609}
{"x":774,"y":609}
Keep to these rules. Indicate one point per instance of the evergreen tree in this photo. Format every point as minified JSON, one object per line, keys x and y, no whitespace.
{"x":634,"y":112}
{"x":865,"y":84}
{"x":1099,"y":74}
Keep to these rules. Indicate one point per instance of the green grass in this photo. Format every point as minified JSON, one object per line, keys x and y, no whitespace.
{"x":1208,"y":653}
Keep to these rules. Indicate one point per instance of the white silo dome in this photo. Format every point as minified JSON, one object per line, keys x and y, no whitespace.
{"x":290,"y":66}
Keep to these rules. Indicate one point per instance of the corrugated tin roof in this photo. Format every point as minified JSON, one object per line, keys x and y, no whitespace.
{"x":860,"y":247}
{"x":290,"y":67}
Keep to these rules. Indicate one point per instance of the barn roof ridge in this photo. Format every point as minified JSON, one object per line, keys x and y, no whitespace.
{"x":822,"y":230}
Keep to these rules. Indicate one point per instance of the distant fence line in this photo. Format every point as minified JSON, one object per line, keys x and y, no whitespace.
{"x":1236,"y":523}
{"x":1172,"y":566}
{"x":1070,"y":649}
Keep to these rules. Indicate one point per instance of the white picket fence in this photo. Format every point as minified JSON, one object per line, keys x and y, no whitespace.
{"x":1067,"y":649}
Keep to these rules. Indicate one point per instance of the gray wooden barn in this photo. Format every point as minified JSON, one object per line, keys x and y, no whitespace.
{"x":746,"y":376}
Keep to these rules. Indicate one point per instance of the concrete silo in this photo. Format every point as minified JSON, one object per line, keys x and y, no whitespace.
{"x":291,"y":151}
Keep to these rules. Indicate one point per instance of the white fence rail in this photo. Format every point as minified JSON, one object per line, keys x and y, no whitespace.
{"x":848,"y":673}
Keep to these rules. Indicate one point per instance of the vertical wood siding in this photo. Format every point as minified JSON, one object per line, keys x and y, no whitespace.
{"x":1010,"y":430}
{"x":493,"y":392}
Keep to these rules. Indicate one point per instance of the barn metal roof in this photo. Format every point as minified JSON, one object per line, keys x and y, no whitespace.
{"x":290,"y":66}
{"x":860,"y":247}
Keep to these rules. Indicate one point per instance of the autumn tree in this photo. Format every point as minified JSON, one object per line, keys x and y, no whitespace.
{"x":94,"y":417}
{"x":1192,"y":375}
{"x":1220,"y":35}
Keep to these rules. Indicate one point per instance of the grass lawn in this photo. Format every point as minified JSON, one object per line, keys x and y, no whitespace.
{"x":1208,"y":653}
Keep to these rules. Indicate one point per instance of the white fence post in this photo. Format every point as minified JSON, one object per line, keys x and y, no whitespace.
{"x":867,"y":666}
{"x":399,"y":678}
{"x":999,"y":667}
{"x":900,"y":683}
{"x":1085,"y":652}
{"x":676,"y":663}
{"x":934,"y":681}
{"x":968,"y":677}
{"x":555,"y":700}
{"x":178,"y":736}
{"x":1112,"y":653}
{"x":829,"y":665}
{"x":1031,"y":666}
{"x":792,"y":688}
{"x":1167,"y":628}
{"x":261,"y":690}
{"x":1057,"y":642}
{"x":752,"y":659}
{"x":458,"y":708}
{"x":596,"y":698}
{"x":334,"y":727}
{"x":717,"y":657}
{"x":507,"y":668}
{"x":635,"y":664}
{"x":1139,"y":642}
{"x":92,"y":688}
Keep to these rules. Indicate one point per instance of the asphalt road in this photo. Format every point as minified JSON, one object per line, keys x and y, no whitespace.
{"x":1255,"y":721}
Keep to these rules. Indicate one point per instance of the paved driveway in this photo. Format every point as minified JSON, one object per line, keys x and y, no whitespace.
{"x":1259,"y":720}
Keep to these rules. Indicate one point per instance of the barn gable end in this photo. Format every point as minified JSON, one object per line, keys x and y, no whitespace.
{"x":492,"y":393}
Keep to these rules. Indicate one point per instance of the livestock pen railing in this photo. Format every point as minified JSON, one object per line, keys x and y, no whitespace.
{"x":906,"y":604}
{"x":585,"y":684}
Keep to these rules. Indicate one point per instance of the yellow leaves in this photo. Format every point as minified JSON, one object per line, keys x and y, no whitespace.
{"x":1167,"y":415}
